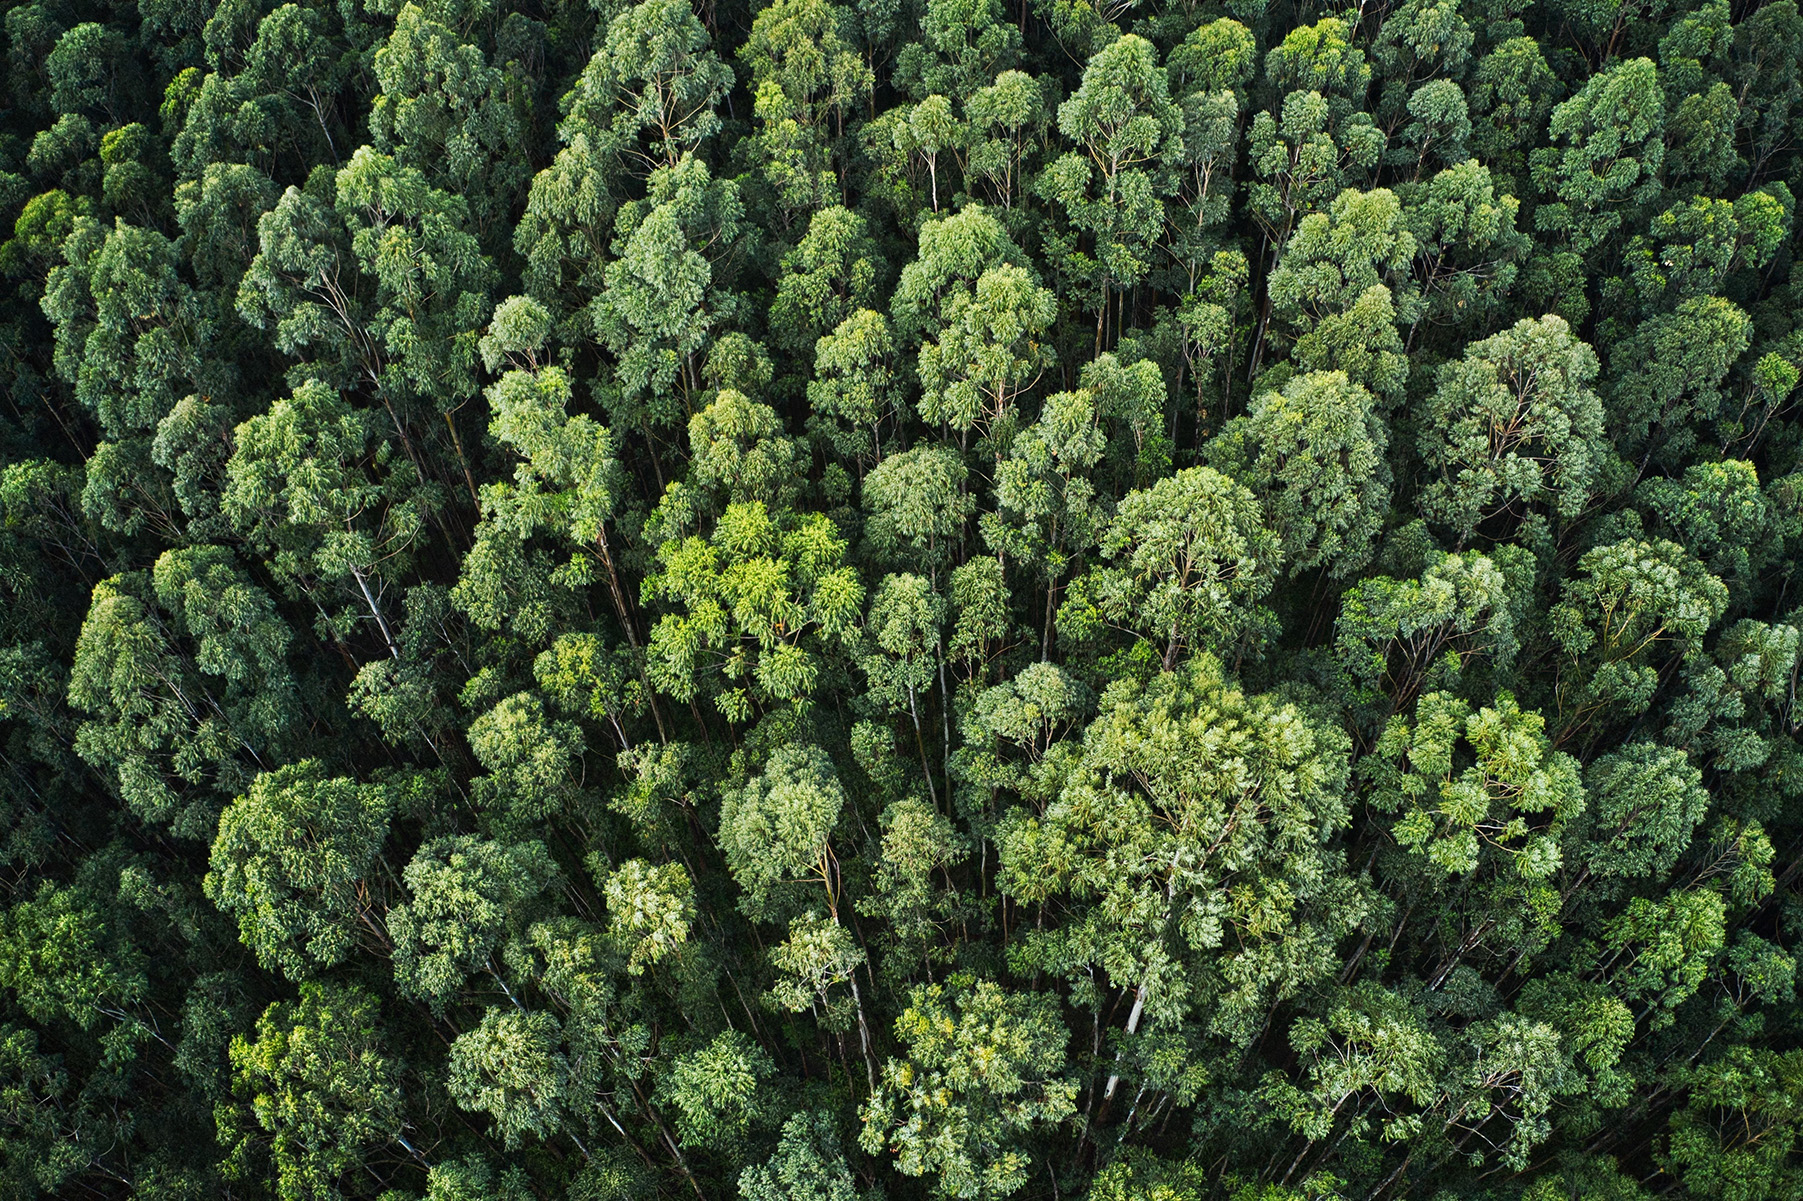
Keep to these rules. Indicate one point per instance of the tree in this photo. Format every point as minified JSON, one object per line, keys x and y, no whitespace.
{"x":320,"y":1087}
{"x":1671,"y":375}
{"x":738,"y":452}
{"x":1514,"y":800}
{"x":965,"y":45}
{"x":1395,"y":637}
{"x":983,"y":1065}
{"x":1607,"y":154}
{"x":290,"y":861}
{"x":569,"y":480}
{"x":650,"y":911}
{"x":312,"y":486}
{"x":1512,"y":94}
{"x":715,"y":1089}
{"x":903,"y":628}
{"x":988,"y":354}
{"x":661,"y":296}
{"x":808,"y":1165}
{"x":1736,"y":1134}
{"x":653,"y":86}
{"x":1467,"y":246}
{"x":916,"y":506}
{"x":465,"y":894}
{"x":1647,"y":801}
{"x":371,"y":276}
{"x":510,"y":1068}
{"x":1313,"y":454}
{"x":129,"y":340}
{"x":756,"y":604}
{"x":1194,"y":559}
{"x":953,"y":252}
{"x":917,"y":840}
{"x":1008,"y":120}
{"x":806,"y":78}
{"x":529,"y":759}
{"x":445,"y":111}
{"x":1613,"y":615}
{"x":183,"y":676}
{"x":777,"y":830}
{"x":928,"y":130}
{"x":1339,"y":286}
{"x":1122,"y":118}
{"x":854,"y":394}
{"x":830,"y":276}
{"x":818,"y":955}
{"x":1513,"y":430}
{"x":1301,"y":164}
{"x":1161,"y":817}
{"x":70,"y":955}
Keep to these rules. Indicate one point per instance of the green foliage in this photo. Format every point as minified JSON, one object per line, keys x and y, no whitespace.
{"x":464,"y":895}
{"x":1314,"y":456}
{"x":715,"y":1090}
{"x":1191,"y":838}
{"x":290,"y":860}
{"x":650,"y":910}
{"x":1736,"y":1135}
{"x":836,"y":599}
{"x":319,"y":1087}
{"x":1194,"y":560}
{"x":1513,"y":430}
{"x":982,"y":1067}
{"x":777,"y":829}
{"x":757,"y":603}
{"x":1513,"y":800}
{"x":509,"y":1067}
{"x":808,"y":1165}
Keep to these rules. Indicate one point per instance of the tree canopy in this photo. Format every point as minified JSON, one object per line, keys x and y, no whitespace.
{"x":836,"y":600}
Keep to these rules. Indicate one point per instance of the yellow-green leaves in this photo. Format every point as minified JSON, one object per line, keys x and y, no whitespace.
{"x":755,"y":604}
{"x":1474,"y":785}
{"x":984,"y":1065}
{"x":319,"y":1084}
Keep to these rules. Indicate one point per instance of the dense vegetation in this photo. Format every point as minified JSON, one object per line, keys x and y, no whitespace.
{"x":1114,"y":599}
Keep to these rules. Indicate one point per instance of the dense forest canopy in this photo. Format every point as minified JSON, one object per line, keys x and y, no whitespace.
{"x":1129,"y":600}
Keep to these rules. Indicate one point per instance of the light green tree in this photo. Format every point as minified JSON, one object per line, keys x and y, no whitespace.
{"x":755,"y":604}
{"x":320,"y":1087}
{"x":1190,"y":558}
{"x":1192,"y":886}
{"x":983,"y":1065}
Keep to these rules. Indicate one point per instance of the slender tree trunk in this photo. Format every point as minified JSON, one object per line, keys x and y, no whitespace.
{"x":370,"y":600}
{"x":857,"y":1000}
{"x":618,"y":594}
{"x":457,"y":445}
{"x":921,"y":742}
